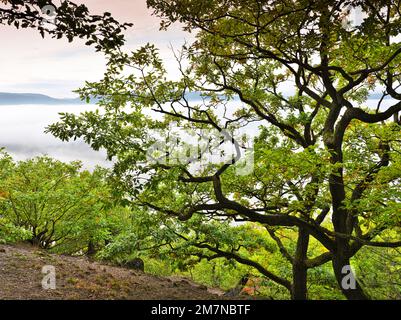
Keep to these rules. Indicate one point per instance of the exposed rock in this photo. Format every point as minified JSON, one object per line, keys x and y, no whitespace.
{"x":136,"y":264}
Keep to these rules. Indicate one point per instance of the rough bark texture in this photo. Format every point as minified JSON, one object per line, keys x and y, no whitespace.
{"x":299,"y":269}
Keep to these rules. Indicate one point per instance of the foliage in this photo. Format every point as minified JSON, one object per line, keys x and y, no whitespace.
{"x":297,"y":75}
{"x":379,"y":269}
{"x":51,"y":199}
{"x":9,"y":233}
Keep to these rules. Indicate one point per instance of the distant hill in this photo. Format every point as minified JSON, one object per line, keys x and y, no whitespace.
{"x":33,"y":98}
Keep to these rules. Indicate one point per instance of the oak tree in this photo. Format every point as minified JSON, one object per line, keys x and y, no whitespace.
{"x":300,"y":77}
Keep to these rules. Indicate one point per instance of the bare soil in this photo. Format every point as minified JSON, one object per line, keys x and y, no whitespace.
{"x":82,"y":279}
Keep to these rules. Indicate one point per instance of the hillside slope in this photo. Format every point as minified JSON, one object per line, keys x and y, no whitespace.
{"x":79,"y":278}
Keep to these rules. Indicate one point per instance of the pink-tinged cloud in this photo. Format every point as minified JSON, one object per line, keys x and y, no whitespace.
{"x":29,"y":63}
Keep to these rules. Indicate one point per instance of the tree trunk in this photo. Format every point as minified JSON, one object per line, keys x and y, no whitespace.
{"x":299,"y":270}
{"x":91,"y":251}
{"x":341,"y":222}
{"x":37,"y":239}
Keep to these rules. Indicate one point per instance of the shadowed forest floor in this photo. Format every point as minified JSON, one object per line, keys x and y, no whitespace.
{"x":79,"y":278}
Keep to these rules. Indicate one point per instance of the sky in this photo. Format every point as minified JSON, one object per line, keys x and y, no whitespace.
{"x":29,"y":63}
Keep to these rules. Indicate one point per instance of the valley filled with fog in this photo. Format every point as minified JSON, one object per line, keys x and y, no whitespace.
{"x":22,"y":134}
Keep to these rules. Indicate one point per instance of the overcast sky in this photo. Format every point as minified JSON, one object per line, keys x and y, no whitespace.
{"x":29,"y":63}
